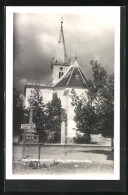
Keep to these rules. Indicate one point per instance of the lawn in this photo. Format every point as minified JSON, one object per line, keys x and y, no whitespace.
{"x":53,"y":168}
{"x":86,"y":160}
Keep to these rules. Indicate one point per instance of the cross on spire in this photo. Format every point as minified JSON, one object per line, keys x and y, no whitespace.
{"x":61,"y":22}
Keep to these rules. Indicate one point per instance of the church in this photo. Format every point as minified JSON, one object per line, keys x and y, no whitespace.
{"x":66,"y":76}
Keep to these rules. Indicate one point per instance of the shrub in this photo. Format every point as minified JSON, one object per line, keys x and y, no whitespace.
{"x":111,"y":155}
{"x":83,"y":139}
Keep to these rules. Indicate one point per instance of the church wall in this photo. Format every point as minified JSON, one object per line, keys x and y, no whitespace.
{"x":46,"y":94}
{"x":66,"y":104}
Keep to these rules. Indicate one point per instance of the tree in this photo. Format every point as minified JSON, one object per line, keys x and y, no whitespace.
{"x":20,"y":114}
{"x":98,"y":114}
{"x":103,"y":92}
{"x":85,"y":114}
{"x":54,"y":118}
{"x":40,"y":116}
{"x":46,"y":117}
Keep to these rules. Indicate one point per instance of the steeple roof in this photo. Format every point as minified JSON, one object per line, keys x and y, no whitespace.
{"x":61,"y":55}
{"x":74,"y":76}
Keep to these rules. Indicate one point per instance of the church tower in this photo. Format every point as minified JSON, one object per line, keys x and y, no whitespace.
{"x":60,"y":64}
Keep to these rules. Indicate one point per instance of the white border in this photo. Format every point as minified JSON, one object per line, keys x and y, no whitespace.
{"x":9,"y":89}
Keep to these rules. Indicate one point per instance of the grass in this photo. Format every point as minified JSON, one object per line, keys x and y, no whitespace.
{"x":66,"y":168}
{"x":100,"y":161}
{"x":36,"y":165}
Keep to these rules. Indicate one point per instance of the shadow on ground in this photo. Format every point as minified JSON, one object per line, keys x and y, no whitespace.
{"x":105,"y":152}
{"x":109,"y":154}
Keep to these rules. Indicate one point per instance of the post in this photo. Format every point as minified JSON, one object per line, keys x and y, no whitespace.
{"x":63,"y":132}
{"x":24,"y":140}
{"x":31,"y":113}
{"x":63,"y":126}
{"x":39,"y":155}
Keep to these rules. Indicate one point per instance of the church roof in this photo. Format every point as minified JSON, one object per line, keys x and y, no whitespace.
{"x":74,"y":76}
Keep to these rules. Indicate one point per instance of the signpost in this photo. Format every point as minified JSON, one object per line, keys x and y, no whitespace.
{"x":25,"y":126}
{"x":29,"y":136}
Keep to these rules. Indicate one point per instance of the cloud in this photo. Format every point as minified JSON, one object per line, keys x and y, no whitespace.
{"x":36,"y":36}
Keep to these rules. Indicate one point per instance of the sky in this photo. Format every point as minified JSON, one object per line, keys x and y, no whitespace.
{"x":35,"y":39}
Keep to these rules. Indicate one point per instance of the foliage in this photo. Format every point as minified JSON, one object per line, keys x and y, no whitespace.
{"x":103,"y":100}
{"x":20,"y":114}
{"x":110,"y":156}
{"x":39,"y":113}
{"x":96,"y":115}
{"x":54,"y":117}
{"x":85,"y":115}
{"x":47,"y":117}
{"x":102,"y":85}
{"x":81,"y":139}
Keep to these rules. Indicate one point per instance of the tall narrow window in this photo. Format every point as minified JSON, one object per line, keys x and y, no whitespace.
{"x":59,"y":74}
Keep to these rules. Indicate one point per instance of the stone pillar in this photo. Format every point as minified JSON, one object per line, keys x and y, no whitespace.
{"x":63,"y":126}
{"x":63,"y":132}
{"x":32,"y":126}
{"x":31,"y":115}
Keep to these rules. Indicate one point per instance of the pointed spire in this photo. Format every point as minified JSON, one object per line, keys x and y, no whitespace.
{"x":61,"y":55}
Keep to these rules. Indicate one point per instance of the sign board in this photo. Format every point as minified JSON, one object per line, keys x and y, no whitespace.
{"x":25,"y":126}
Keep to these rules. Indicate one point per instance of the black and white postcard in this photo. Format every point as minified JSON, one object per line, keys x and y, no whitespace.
{"x":63,"y":93}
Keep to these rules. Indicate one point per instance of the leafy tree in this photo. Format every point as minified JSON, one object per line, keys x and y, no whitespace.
{"x":85,"y":114}
{"x":103,"y":95}
{"x":54,"y":118}
{"x":39,"y":113}
{"x":102,"y":85}
{"x":46,"y":117}
{"x":20,"y":114}
{"x":98,"y":114}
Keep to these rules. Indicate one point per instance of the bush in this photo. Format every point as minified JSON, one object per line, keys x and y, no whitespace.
{"x":83,"y":139}
{"x":111,"y":155}
{"x":33,"y":164}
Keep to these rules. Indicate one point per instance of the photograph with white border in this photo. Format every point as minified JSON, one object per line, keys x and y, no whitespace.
{"x":63,"y":93}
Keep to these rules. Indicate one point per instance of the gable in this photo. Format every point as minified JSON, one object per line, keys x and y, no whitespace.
{"x":77,"y":79}
{"x":74,"y":77}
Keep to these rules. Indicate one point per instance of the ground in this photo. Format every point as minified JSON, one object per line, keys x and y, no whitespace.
{"x":61,"y":161}
{"x":95,"y":167}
